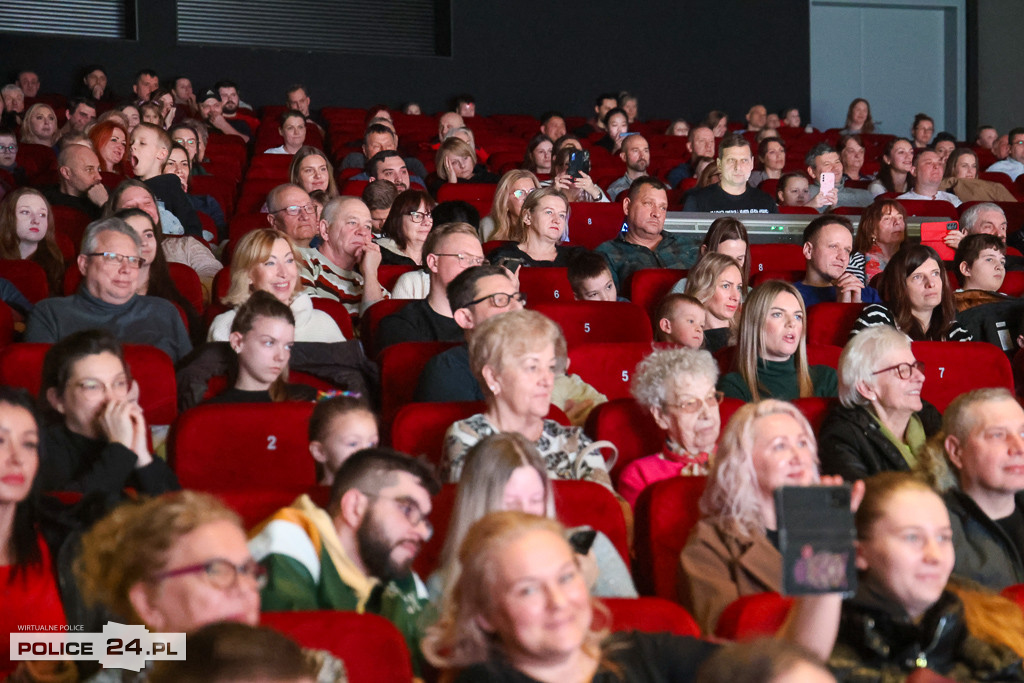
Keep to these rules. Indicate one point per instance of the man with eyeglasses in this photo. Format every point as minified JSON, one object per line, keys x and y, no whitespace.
{"x":1012,"y":165}
{"x":9,"y":158}
{"x":448,"y":250}
{"x":357,"y":554}
{"x":344,"y":266}
{"x":107,"y":298}
{"x":290,"y":210}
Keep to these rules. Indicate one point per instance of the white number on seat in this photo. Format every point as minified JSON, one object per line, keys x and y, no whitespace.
{"x":557,"y":294}
{"x":271,"y":442}
{"x":941,"y":372}
{"x":625,"y":375}
{"x":586,"y":327}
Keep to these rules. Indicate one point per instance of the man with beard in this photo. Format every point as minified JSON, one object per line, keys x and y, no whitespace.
{"x":358,"y":553}
{"x":636,"y":153}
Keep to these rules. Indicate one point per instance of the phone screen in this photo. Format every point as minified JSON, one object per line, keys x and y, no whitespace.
{"x":816,"y":539}
{"x":828,"y":182}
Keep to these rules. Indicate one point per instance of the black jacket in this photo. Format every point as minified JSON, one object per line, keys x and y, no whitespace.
{"x":851,"y":443}
{"x":984,"y":552}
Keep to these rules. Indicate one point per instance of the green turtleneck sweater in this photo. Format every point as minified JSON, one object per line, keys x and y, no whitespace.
{"x":777,"y":379}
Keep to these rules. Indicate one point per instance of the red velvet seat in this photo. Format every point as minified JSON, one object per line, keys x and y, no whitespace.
{"x":1015,"y":593}
{"x":608,"y":367}
{"x":400,"y":368}
{"x":815,"y":408}
{"x":480,"y":195}
{"x":831,"y":322}
{"x":587,"y":322}
{"x":237,"y":446}
{"x":21,"y":365}
{"x":244,"y":223}
{"x":39,"y":162}
{"x":373,"y":650}
{"x":221,"y":189}
{"x":591,"y":223}
{"x":951,"y":368}
{"x":369,"y":322}
{"x":28,"y":276}
{"x":545,"y":285}
{"x":930,"y":208}
{"x":70,"y":222}
{"x":6,"y":325}
{"x":753,"y":616}
{"x":388,"y":276}
{"x":650,"y":285}
{"x":338,"y":313}
{"x":777,"y":257}
{"x":665,"y":512}
{"x":798,"y":210}
{"x":269,"y":166}
{"x":653,"y":615}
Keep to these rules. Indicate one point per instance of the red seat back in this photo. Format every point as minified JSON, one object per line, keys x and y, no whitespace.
{"x":815,"y":408}
{"x":372,"y":648}
{"x":929,"y":208}
{"x":666,"y":512}
{"x":387,"y":276}
{"x":608,"y":367}
{"x":1015,"y":593}
{"x":653,"y":615}
{"x":591,"y":223}
{"x":6,"y":324}
{"x":545,"y":285}
{"x":400,"y":368}
{"x":830,"y":322}
{"x":776,"y":257}
{"x":585,"y":322}
{"x":234,"y":446}
{"x":753,"y":616}
{"x":952,"y":368}
{"x":629,"y":426}
{"x":28,"y":276}
{"x":651,"y":285}
{"x":188,"y":284}
{"x":338,"y":313}
{"x":70,"y":222}
{"x":256,"y":505}
{"x":369,"y":321}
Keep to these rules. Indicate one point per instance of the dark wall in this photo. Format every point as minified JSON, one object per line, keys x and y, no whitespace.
{"x":680,"y":58}
{"x":998,"y":70}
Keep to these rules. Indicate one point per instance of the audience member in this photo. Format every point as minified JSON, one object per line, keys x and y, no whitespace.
{"x":406,"y":229}
{"x":579,"y":187}
{"x":733,"y":194}
{"x":628,"y":102}
{"x":701,"y":143}
{"x":150,"y":146}
{"x":590,"y":278}
{"x":39,"y":126}
{"x":602,"y":105}
{"x":717,"y":283}
{"x":679,"y":319}
{"x":880,"y":234}
{"x":771,"y":357}
{"x":27,"y":232}
{"x":107,"y":299}
{"x":980,"y":266}
{"x":456,"y":162}
{"x":512,"y":190}
{"x":81,"y":185}
{"x":293,"y":131}
{"x":291,"y":211}
{"x":828,"y":243}
{"x":793,"y":189}
{"x":1013,"y":165}
{"x":539,"y":151}
{"x":764,"y":661}
{"x":822,"y":159}
{"x":311,"y":170}
{"x":212,"y":111}
{"x":80,"y":114}
{"x":916,"y":298}
{"x":339,"y":427}
{"x":882,"y":423}
{"x":961,"y":178}
{"x":927,"y":172}
{"x":771,"y":152}
{"x":267,"y":260}
{"x":921,"y":131}
{"x":178,"y":164}
{"x":110,"y":140}
{"x":97,"y":440}
{"x":757,"y":117}
{"x":536,"y":238}
{"x":552,"y":125}
{"x":851,"y":153}
{"x":389,"y":165}
{"x":677,"y":386}
{"x":895,"y":172}
{"x":636,"y":154}
{"x":858,"y":118}
{"x":379,"y":196}
{"x":616,"y":127}
{"x":986,"y":137}
{"x":944,"y":143}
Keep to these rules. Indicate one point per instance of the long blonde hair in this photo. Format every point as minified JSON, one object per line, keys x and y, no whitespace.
{"x":702,"y":281}
{"x":752,"y":342}
{"x":503,"y":220}
{"x":253,"y":249}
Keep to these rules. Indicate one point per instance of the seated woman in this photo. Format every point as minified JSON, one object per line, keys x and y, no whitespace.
{"x":772,"y":356}
{"x":726,"y":235}
{"x":677,"y":386}
{"x":882,"y":423}
{"x":515,"y":357}
{"x":922,"y":130}
{"x":771,"y":152}
{"x":110,"y":140}
{"x":906,"y":612}
{"x":732,"y":551}
{"x":717,"y":121}
{"x":717,"y":282}
{"x":537,"y":236}
{"x":917,"y":298}
{"x":496,"y":622}
{"x":894,"y":174}
{"x":793,"y":190}
{"x":184,"y":249}
{"x":174,"y":564}
{"x":27,"y":568}
{"x":539,"y":151}
{"x":882,"y":229}
{"x":579,"y":189}
{"x":679,"y":320}
{"x":97,"y":438}
{"x":40,"y":126}
{"x":293,"y":131}
{"x":340,"y":426}
{"x":311,"y":170}
{"x":678,"y":128}
{"x":505,"y":472}
{"x":131,"y":116}
{"x":406,"y":228}
{"x":616,"y":125}
{"x":456,"y":162}
{"x":961,"y":178}
{"x":858,"y":118}
{"x":266,"y":259}
{"x":262,"y":335}
{"x":27,"y":232}
{"x":512,"y":190}
{"x":851,"y":153}
{"x":179,"y":164}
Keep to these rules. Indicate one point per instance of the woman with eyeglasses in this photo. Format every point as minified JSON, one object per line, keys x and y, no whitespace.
{"x":515,"y":357}
{"x":677,"y":386}
{"x":537,"y":236}
{"x":406,"y":229}
{"x":512,"y":190}
{"x":267,"y":260}
{"x":175,"y":564}
{"x":881,"y":424}
{"x":97,"y":438}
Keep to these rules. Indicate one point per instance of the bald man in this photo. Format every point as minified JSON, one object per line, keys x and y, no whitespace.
{"x":80,"y":184}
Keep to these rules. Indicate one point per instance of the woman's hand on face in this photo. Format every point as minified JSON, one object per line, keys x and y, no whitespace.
{"x":953,"y":238}
{"x":449,"y":170}
{"x":116,"y":422}
{"x":140,"y":435}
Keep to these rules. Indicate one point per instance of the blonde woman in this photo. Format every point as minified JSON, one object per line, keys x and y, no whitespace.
{"x":771,"y":357}
{"x":717,"y":282}
{"x":512,"y":190}
{"x":40,"y":126}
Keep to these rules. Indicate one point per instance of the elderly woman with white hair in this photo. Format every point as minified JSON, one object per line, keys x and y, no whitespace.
{"x":677,"y":386}
{"x":881,"y":423}
{"x":732,"y":551}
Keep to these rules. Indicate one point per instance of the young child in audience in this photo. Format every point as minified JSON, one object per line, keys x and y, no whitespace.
{"x":680,"y":320}
{"x":793,"y":190}
{"x":150,"y":146}
{"x":340,"y":426}
{"x":591,"y":279}
{"x":262,"y":335}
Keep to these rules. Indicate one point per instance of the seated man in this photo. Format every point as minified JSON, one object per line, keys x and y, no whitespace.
{"x":146,"y":81}
{"x":552,"y":124}
{"x":150,"y":145}
{"x":290,"y":210}
{"x":1012,"y":164}
{"x":80,"y":113}
{"x":757,"y":118}
{"x":604,"y":103}
{"x":985,"y":447}
{"x":357,"y":554}
{"x":212,"y":111}
{"x":234,"y":109}
{"x":986,"y":137}
{"x":388,"y":164}
{"x":28,"y":81}
{"x":823,"y":158}
{"x":13,"y":109}
{"x":636,"y":153}
{"x":344,"y":266}
{"x":828,"y":243}
{"x":298,"y":100}
{"x":732,"y":194}
{"x":81,"y":186}
{"x":700,"y":143}
{"x":378,"y":196}
{"x":106,"y":299}
{"x":644,"y":244}
{"x":927,"y":176}
{"x":448,"y":250}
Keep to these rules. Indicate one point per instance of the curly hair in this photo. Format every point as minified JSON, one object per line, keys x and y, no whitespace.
{"x":655,"y":372}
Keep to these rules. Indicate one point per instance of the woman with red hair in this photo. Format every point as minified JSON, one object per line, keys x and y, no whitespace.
{"x":110,"y":139}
